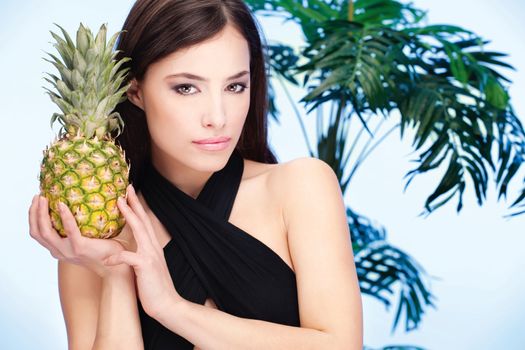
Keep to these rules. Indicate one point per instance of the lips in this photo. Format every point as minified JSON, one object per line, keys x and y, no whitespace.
{"x":213,"y":144}
{"x":213,"y":140}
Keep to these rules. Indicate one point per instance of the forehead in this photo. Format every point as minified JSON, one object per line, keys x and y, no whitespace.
{"x":219,"y":56}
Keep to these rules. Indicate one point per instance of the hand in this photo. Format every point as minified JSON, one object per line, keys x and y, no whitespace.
{"x":75,"y":248}
{"x":154,"y":283}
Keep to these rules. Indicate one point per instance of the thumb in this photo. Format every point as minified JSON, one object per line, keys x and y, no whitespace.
{"x":124,"y":257}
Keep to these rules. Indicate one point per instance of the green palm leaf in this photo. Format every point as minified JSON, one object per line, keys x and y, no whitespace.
{"x":380,"y":267}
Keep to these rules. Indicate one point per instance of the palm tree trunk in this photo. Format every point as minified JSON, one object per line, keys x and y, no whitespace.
{"x":350,"y":10}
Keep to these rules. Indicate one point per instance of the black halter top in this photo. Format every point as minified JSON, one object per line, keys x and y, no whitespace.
{"x":208,"y":256}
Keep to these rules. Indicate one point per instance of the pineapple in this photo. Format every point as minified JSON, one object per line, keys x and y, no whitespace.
{"x":83,"y":167}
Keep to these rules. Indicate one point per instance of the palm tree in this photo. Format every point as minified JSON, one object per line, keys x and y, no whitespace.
{"x":372,"y":60}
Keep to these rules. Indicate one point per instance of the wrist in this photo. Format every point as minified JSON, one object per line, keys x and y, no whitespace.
{"x":117,"y":272}
{"x":174,"y":307}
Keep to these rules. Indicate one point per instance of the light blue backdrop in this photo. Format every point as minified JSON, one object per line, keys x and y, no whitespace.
{"x":476,"y":257}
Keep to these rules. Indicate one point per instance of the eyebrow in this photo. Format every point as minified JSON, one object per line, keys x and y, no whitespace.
{"x":196,"y":77}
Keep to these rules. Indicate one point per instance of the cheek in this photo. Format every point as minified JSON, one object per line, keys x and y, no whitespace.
{"x":163,"y":113}
{"x":242,"y":110}
{"x":167,"y":127}
{"x":237,"y":110}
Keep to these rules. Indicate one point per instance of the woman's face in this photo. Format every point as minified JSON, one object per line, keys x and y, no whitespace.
{"x":181,"y":109}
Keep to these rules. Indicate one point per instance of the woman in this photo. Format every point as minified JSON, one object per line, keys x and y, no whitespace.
{"x":224,"y":248}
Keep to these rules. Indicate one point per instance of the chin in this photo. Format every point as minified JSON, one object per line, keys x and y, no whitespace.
{"x":210,"y":161}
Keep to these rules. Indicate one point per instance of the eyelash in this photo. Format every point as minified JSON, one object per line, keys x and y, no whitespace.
{"x":177,"y":87}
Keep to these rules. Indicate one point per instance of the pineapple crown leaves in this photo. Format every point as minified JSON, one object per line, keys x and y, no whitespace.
{"x":89,"y":83}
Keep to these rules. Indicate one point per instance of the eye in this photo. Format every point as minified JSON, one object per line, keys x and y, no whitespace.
{"x":178,"y":88}
{"x":243,"y":87}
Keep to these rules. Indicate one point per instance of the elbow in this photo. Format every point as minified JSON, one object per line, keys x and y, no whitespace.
{"x":345,"y":343}
{"x":353,"y":345}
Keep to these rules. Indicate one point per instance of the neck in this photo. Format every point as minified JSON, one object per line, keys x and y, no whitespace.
{"x":189,"y":180}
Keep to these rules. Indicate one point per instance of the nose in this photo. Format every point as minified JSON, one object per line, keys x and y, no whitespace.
{"x":215,"y":116}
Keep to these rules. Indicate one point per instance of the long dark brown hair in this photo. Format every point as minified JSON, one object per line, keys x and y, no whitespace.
{"x":157,"y":28}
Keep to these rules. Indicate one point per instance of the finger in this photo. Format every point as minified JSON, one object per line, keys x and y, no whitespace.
{"x":70,"y":224}
{"x":124,"y":257}
{"x":33,"y":223}
{"x":71,"y":228}
{"x":56,"y":255}
{"x":137,"y":207}
{"x":34,"y":230}
{"x":47,"y":232}
{"x":137,"y":228}
{"x":135,"y":204}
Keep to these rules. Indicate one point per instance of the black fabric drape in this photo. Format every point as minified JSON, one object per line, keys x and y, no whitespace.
{"x":208,"y":256}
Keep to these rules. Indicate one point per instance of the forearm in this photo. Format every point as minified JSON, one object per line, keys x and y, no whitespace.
{"x":118,"y":324}
{"x":209,"y":328}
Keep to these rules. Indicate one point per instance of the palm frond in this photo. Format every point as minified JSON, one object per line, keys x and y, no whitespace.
{"x":381,"y":267}
{"x":354,"y":58}
{"x":385,"y":13}
{"x":458,"y":106}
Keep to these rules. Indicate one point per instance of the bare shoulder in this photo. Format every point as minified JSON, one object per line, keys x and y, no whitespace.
{"x":298,"y":172}
{"x":282,"y":186}
{"x":301,"y":168}
{"x":298,"y":180}
{"x":301,"y":177}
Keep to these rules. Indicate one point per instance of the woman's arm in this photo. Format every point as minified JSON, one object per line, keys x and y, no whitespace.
{"x":212,"y":329}
{"x":79,"y":291}
{"x":118,"y":325}
{"x":100,"y":313}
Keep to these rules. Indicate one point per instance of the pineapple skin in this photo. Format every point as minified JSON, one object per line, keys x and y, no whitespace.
{"x":88,"y":175}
